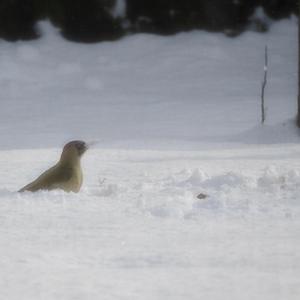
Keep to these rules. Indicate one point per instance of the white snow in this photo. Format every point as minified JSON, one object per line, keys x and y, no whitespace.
{"x":175,"y":117}
{"x":119,"y":10}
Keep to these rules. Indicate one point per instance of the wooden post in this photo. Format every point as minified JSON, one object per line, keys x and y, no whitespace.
{"x":298,"y":116}
{"x":264,"y":83}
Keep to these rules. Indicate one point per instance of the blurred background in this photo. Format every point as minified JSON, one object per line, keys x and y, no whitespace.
{"x":97,"y":20}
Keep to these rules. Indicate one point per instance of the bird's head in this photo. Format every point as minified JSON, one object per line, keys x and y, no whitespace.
{"x":74,"y":150}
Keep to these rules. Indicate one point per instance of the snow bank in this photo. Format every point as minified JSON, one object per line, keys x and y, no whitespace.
{"x":146,"y":91}
{"x":231,"y":193}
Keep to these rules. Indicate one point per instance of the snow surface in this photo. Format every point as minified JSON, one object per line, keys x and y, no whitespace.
{"x":175,"y":117}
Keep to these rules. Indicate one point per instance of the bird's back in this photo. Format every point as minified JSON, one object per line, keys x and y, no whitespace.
{"x":66,"y":178}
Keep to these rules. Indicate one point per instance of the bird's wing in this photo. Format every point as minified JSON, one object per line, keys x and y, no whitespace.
{"x":49,"y":179}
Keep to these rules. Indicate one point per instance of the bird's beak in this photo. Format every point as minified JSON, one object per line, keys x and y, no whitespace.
{"x":91,"y":144}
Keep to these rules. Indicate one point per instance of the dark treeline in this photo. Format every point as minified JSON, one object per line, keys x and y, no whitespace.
{"x":94,"y":20}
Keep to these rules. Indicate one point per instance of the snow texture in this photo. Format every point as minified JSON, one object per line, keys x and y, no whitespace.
{"x":175,"y":117}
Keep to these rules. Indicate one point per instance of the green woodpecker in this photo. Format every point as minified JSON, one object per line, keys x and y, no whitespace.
{"x":65,"y":175}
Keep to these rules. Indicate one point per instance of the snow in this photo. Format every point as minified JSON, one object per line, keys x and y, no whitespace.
{"x":175,"y":117}
{"x":119,"y":9}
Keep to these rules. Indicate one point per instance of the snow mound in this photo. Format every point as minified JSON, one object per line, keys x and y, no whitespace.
{"x":283,"y":132}
{"x":272,"y":192}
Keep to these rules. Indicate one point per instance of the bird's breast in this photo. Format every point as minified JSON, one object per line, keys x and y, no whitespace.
{"x":74,"y":181}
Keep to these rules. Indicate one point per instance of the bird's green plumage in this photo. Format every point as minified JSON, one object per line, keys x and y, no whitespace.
{"x":65,"y":175}
{"x":50,"y":179}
